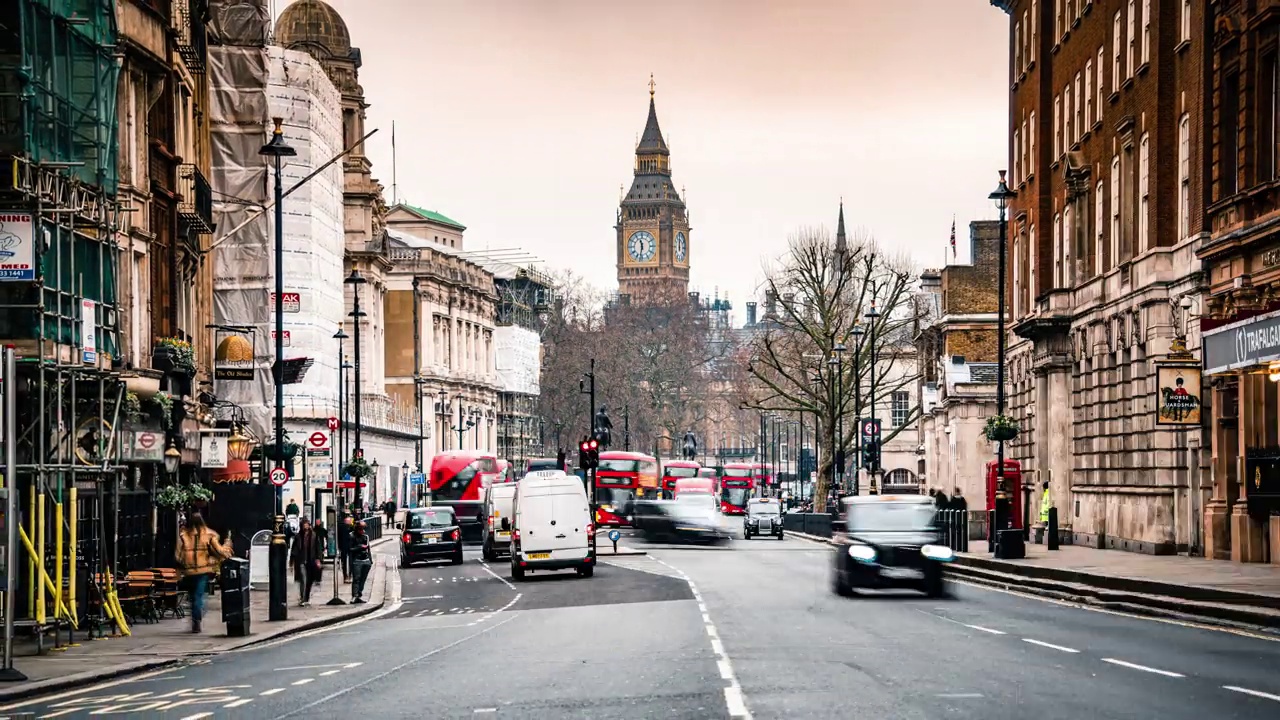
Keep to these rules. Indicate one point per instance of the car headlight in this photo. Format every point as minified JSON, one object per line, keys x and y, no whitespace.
{"x":941,"y":553}
{"x":862,"y":553}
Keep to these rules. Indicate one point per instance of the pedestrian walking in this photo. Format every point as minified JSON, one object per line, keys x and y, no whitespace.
{"x":322,"y":532}
{"x":958,"y":502}
{"x":361,"y":563}
{"x":292,"y":508}
{"x":1045,"y":503}
{"x":344,"y":545}
{"x":306,"y":559}
{"x":389,"y":509}
{"x":200,"y":553}
{"x":940,"y":499}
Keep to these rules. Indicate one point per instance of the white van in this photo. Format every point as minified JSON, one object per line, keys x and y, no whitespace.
{"x":499,"y":500}
{"x":552,"y":529}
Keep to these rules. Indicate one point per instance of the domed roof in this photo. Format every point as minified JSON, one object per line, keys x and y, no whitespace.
{"x":313,"y":22}
{"x":234,"y":348}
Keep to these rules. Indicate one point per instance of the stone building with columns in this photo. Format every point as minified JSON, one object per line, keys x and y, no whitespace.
{"x":1105,"y":110}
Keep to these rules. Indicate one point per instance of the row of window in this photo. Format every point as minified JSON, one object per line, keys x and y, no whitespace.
{"x":1122,"y":232}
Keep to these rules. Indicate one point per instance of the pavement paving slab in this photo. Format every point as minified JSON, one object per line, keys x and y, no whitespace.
{"x":170,"y":641}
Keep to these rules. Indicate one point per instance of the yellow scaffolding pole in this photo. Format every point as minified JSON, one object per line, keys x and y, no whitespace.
{"x":40,"y":598}
{"x":71,"y":566}
{"x":44,"y":576}
{"x":57,"y":551}
{"x":31,"y":553}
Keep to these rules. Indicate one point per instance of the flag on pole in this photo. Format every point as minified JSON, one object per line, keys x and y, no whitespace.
{"x":953,"y":237}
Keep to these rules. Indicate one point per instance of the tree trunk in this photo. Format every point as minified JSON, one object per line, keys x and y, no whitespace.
{"x":822,"y":488}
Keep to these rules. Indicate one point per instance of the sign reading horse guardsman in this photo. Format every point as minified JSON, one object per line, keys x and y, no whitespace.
{"x":1178,"y":388}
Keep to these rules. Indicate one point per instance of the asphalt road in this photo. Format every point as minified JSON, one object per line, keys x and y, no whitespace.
{"x":748,"y":629}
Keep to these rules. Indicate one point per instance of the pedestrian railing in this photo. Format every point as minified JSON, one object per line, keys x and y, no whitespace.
{"x":954,"y":526}
{"x":372,"y":526}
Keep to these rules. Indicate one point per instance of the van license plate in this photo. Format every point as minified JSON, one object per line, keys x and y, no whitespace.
{"x":504,"y":536}
{"x":539,"y":556}
{"x":902,"y":573}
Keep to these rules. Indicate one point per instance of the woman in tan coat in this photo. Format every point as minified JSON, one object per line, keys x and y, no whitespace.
{"x":200,"y":554}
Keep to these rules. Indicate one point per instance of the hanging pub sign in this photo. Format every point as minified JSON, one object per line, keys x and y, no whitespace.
{"x":1178,"y":393}
{"x":213,"y":449}
{"x":234,"y":356}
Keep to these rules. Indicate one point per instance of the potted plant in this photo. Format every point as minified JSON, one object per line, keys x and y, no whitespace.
{"x":171,"y":497}
{"x":132,"y":407}
{"x":199,"y":496}
{"x":162,"y":408}
{"x":1000,"y":428}
{"x":174,"y":355}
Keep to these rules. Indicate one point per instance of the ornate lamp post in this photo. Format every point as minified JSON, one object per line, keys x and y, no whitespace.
{"x":857,"y":332}
{"x":355,"y":280}
{"x":278,"y":588}
{"x":1001,"y":196}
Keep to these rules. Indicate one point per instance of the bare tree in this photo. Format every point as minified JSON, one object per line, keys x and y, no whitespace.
{"x":807,"y":349}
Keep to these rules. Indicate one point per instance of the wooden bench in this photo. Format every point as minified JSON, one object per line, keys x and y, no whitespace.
{"x":167,"y":592}
{"x":137,"y":596}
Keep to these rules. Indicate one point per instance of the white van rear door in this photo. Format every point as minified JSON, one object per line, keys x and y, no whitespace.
{"x":572,"y":516}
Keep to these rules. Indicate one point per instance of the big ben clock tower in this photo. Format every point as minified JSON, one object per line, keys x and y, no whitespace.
{"x":653,"y":225}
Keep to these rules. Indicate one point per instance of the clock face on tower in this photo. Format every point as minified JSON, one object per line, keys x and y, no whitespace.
{"x":641,"y":246}
{"x":682,"y":247}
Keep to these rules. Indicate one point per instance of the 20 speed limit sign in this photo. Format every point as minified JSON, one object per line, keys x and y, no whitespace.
{"x":279,"y":476}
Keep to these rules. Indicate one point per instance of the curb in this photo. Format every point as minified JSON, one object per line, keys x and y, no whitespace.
{"x":1232,"y":613}
{"x":810,"y":538}
{"x":93,"y":677}
{"x":622,"y":552}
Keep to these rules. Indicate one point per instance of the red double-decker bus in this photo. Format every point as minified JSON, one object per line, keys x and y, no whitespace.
{"x":621,"y":478}
{"x":737,"y":486}
{"x":763,"y":474}
{"x":458,"y":480}
{"x":673,"y":470}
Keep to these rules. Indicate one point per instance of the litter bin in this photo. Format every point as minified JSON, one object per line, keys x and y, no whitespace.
{"x":234,"y":581}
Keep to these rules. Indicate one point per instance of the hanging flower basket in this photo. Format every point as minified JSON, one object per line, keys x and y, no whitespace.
{"x":358,"y":469}
{"x":132,"y":407}
{"x":161,"y":407}
{"x":171,"y":497}
{"x":1000,"y":428}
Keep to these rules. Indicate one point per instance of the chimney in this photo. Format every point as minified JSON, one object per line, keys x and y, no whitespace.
{"x":751,"y":314}
{"x":770,"y":304}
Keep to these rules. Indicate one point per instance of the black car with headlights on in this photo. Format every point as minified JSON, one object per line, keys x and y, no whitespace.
{"x":890,"y":542}
{"x":431,"y":533}
{"x":764,"y":517}
{"x":691,"y":520}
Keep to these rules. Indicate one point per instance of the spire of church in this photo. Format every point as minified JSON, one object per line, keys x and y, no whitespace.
{"x":651,"y":140}
{"x":842,"y":244}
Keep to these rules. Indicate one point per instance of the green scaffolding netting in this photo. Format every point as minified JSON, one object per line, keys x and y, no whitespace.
{"x":58,"y":85}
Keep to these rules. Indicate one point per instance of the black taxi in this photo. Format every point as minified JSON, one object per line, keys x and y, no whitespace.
{"x":430,"y":533}
{"x":890,"y":541}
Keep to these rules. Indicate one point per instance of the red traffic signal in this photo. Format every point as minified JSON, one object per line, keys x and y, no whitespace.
{"x":592,"y":444}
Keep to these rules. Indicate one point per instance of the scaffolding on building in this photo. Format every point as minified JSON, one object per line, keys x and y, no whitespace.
{"x":525,"y":296}
{"x":58,"y":304}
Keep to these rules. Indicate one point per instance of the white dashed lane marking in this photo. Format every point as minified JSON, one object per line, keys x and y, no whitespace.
{"x":993,"y":631}
{"x":1051,"y":646}
{"x":1143,"y":668}
{"x":1254,"y":693}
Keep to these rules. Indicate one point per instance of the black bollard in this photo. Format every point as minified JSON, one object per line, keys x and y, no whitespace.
{"x":1052,"y":530}
{"x":964,"y":531}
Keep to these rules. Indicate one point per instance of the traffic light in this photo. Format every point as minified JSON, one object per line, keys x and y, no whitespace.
{"x":560,"y":460}
{"x":869,"y":451}
{"x":588,"y":453}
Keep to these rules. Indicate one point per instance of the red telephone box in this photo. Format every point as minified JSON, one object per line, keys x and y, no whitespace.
{"x":1012,"y":488}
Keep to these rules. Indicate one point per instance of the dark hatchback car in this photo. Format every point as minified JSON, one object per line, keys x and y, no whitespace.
{"x":890,"y":542}
{"x":431,"y":534}
{"x":678,"y":521}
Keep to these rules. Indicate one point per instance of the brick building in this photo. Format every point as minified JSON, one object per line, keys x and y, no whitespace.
{"x":958,"y":352}
{"x":1105,"y":107}
{"x":1241,"y":314}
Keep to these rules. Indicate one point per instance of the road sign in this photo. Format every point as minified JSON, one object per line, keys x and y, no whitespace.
{"x":870,"y":428}
{"x":417,"y":478}
{"x":318,"y":439}
{"x":332,"y":423}
{"x":279,"y":476}
{"x":614,"y":535}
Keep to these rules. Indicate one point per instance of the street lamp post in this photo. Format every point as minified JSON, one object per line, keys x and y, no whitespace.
{"x":626,"y":427}
{"x":355,"y":280}
{"x":858,"y":332}
{"x":841,"y":455}
{"x":278,"y":587}
{"x":420,"y":455}
{"x":340,"y":336}
{"x":1001,"y":195}
{"x":873,"y":471}
{"x":443,"y":415}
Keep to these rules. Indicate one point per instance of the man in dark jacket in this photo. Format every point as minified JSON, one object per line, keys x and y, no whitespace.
{"x":344,"y":545}
{"x":958,"y":502}
{"x":361,"y":562}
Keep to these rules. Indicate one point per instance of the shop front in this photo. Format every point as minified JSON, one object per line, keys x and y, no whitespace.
{"x":1242,"y":363}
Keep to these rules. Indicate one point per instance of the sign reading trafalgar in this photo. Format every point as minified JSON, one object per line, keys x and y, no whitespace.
{"x":1252,"y":342}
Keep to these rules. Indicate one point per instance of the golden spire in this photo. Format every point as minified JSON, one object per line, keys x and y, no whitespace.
{"x":652,"y":85}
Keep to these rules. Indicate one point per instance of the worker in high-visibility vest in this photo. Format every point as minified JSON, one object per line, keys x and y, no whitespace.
{"x":1045,"y":504}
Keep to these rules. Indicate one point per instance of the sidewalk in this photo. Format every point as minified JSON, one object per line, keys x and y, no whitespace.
{"x":155,"y":645}
{"x":1166,"y":585}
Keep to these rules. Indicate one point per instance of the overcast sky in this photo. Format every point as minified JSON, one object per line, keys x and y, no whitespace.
{"x":519,"y":118}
